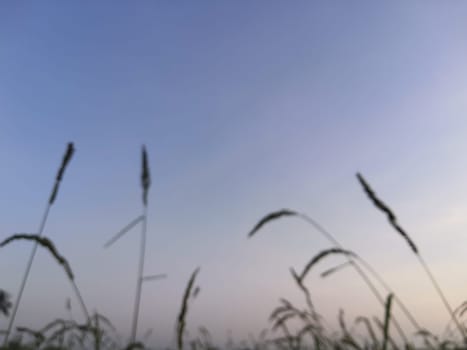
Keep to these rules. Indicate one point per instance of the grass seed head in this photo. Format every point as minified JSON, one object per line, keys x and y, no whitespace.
{"x":5,"y":303}
{"x":66,"y":159}
{"x":387,"y":319}
{"x":321,"y":255}
{"x":270,"y":217}
{"x":145,"y":175}
{"x":384,"y":208}
{"x":45,"y":243}
{"x":181,"y":320}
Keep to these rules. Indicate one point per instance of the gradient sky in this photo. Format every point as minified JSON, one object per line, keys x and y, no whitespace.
{"x":245,"y":107}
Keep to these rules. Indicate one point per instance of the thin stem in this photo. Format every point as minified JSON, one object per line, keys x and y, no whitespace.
{"x":388,"y":289}
{"x":442,"y":296}
{"x":380,"y":299}
{"x":378,"y":203}
{"x":81,"y":301}
{"x":139,"y":281}
{"x":26,"y":274}
{"x":65,"y":161}
{"x":461,"y":308}
{"x":154,"y":277}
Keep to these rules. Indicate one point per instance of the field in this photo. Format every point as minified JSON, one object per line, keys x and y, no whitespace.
{"x":292,"y":326}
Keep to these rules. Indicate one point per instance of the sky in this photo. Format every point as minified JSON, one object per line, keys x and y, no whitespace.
{"x":245,"y":107}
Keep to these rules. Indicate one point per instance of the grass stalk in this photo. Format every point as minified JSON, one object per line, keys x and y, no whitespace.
{"x":140,"y":279}
{"x":316,"y":319}
{"x":387,"y":317}
{"x":145,"y":184}
{"x":371,"y":333}
{"x":81,"y":300}
{"x":181,"y":319}
{"x":25,"y":276}
{"x":394,"y":223}
{"x":65,"y":161}
{"x":48,"y":244}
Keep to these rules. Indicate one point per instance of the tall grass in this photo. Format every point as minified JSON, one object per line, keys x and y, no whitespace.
{"x":140,"y":278}
{"x":387,"y":317}
{"x":145,"y":183}
{"x":45,"y":243}
{"x":299,"y":327}
{"x":351,"y":259}
{"x":181,"y":319}
{"x":53,"y":195}
{"x":394,"y":223}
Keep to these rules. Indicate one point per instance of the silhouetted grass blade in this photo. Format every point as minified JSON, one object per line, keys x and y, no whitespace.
{"x":145,"y":176}
{"x":145,"y":183}
{"x":154,"y":277}
{"x":181,"y":320}
{"x":347,"y":338}
{"x":369,"y":328}
{"x":295,"y":276}
{"x":307,"y":294}
{"x":321,"y":255}
{"x":339,"y":267}
{"x":135,"y":345}
{"x":123,"y":231}
{"x":380,"y":325}
{"x":390,"y":215}
{"x":393,"y":221}
{"x":38,"y":336}
{"x":45,"y":243}
{"x":387,"y":317}
{"x":270,"y":217}
{"x":66,"y":159}
{"x":5,"y":303}
{"x":281,"y":321}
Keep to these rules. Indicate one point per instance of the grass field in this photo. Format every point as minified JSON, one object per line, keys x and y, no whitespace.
{"x":291,"y":326}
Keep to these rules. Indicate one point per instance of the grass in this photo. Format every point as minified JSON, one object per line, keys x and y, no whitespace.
{"x":181,"y":319}
{"x":292,"y":327}
{"x":393,"y":221}
{"x":145,"y":184}
{"x":37,"y":240}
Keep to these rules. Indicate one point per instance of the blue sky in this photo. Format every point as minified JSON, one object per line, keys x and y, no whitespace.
{"x":245,"y":107}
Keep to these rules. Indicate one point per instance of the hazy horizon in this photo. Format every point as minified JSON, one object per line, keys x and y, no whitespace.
{"x":245,"y":108}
